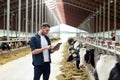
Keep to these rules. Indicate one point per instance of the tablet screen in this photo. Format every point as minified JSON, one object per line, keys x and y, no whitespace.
{"x":57,"y":45}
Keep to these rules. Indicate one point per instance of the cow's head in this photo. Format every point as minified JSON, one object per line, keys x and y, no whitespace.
{"x":82,"y":55}
{"x":70,"y":41}
{"x":72,"y":57}
{"x":86,"y":56}
{"x":107,"y":67}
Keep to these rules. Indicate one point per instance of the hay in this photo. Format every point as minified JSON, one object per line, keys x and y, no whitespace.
{"x":69,"y":71}
{"x":13,"y":55}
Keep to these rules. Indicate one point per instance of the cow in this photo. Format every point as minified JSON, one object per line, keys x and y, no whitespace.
{"x":74,"y":45}
{"x":70,"y":41}
{"x":74,"y":53}
{"x":87,"y":57}
{"x":24,"y":43}
{"x":74,"y":56}
{"x":5,"y":46}
{"x":107,"y":67}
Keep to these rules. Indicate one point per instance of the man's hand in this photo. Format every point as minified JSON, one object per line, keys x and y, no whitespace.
{"x":48,"y":47}
{"x":37,"y":51}
{"x":56,"y":49}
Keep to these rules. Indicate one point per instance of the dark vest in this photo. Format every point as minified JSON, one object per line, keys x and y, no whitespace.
{"x":35,"y":43}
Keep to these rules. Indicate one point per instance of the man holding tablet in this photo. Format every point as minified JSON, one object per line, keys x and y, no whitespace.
{"x":41,"y":48}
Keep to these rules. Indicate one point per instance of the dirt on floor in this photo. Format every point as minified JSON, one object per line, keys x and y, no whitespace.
{"x":69,"y":70}
{"x":6,"y":57}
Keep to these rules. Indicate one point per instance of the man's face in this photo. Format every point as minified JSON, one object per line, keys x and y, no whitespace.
{"x":45,"y":30}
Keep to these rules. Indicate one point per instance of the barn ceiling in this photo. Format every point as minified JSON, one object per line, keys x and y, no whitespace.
{"x":75,"y":12}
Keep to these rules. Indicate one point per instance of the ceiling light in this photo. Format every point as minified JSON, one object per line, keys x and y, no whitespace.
{"x":111,"y":1}
{"x":50,"y":3}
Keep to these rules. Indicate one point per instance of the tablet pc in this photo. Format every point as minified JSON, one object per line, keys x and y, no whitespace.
{"x":56,"y":46}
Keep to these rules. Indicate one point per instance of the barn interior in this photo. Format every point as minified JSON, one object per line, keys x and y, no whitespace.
{"x":96,"y":22}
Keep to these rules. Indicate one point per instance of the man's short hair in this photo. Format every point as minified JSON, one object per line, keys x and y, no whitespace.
{"x":45,"y":25}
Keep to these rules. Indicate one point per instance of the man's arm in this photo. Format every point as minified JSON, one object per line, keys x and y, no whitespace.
{"x":37,"y":51}
{"x":33,"y":46}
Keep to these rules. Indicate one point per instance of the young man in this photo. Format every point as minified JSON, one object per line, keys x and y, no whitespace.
{"x":41,"y":48}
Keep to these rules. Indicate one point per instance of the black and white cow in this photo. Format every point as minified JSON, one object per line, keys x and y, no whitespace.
{"x":5,"y":46}
{"x":73,"y":51}
{"x":70,"y":41}
{"x":87,"y":57}
{"x":107,"y":67}
{"x":74,"y":56}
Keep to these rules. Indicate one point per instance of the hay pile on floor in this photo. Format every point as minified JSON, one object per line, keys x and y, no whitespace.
{"x":69,"y":70}
{"x":4,"y":58}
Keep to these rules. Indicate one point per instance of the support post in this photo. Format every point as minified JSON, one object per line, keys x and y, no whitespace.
{"x":108,"y":18}
{"x":26,"y":20}
{"x":36,"y":15}
{"x":8,"y":18}
{"x":32,"y":16}
{"x":115,"y":12}
{"x":104,"y":19}
{"x":19,"y":18}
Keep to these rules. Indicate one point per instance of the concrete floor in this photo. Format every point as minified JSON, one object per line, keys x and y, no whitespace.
{"x":22,"y":69}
